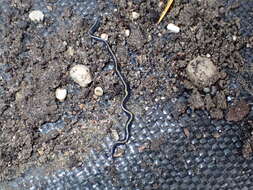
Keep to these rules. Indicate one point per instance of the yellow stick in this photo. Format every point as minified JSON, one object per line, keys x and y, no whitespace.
{"x":165,"y":10}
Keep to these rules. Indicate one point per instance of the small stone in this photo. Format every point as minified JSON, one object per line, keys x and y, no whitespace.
{"x":104,"y":36}
{"x":186,"y":132}
{"x":144,"y":146}
{"x":50,"y":8}
{"x":149,"y":37}
{"x":19,"y":96}
{"x":61,"y":94}
{"x":81,"y":75}
{"x":206,"y":90}
{"x":81,"y":106}
{"x":40,"y":151}
{"x":36,"y":16}
{"x":135,"y":15}
{"x":173,"y":28}
{"x":127,"y":33}
{"x":70,"y":51}
{"x":119,"y":152}
{"x":202,"y":72}
{"x":98,"y":91}
{"x":115,"y":134}
{"x":160,"y":4}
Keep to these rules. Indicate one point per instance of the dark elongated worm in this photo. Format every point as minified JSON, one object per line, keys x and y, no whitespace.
{"x":126,"y":89}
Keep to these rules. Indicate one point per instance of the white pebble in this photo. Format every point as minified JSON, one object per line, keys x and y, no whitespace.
{"x":135,"y":15}
{"x":61,"y":94}
{"x":36,"y":16}
{"x":173,"y":28}
{"x":98,"y":91}
{"x":81,"y":75}
{"x":127,"y":32}
{"x":104,"y":36}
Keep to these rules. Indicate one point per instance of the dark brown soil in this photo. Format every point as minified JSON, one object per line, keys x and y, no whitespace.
{"x":34,"y":66}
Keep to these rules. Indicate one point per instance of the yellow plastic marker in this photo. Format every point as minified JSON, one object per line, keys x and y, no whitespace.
{"x":165,"y":10}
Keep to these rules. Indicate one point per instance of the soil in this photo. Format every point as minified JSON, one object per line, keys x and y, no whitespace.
{"x":153,"y":60}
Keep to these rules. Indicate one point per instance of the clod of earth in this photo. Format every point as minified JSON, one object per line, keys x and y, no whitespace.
{"x":202,"y":72}
{"x":238,"y":112}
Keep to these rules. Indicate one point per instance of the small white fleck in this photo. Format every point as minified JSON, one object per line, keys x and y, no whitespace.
{"x":234,"y":38}
{"x":61,"y":94}
{"x":135,"y":15}
{"x":208,"y":55}
{"x":160,"y":4}
{"x":127,"y":32}
{"x":36,"y":15}
{"x":149,"y":37}
{"x":229,"y":98}
{"x":104,"y":36}
{"x":115,"y":134}
{"x":173,"y":28}
{"x":70,"y":51}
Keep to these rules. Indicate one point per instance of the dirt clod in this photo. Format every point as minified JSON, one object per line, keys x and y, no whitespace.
{"x":216,"y":113}
{"x":238,"y":112}
{"x":196,"y":101}
{"x":202,"y":72}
